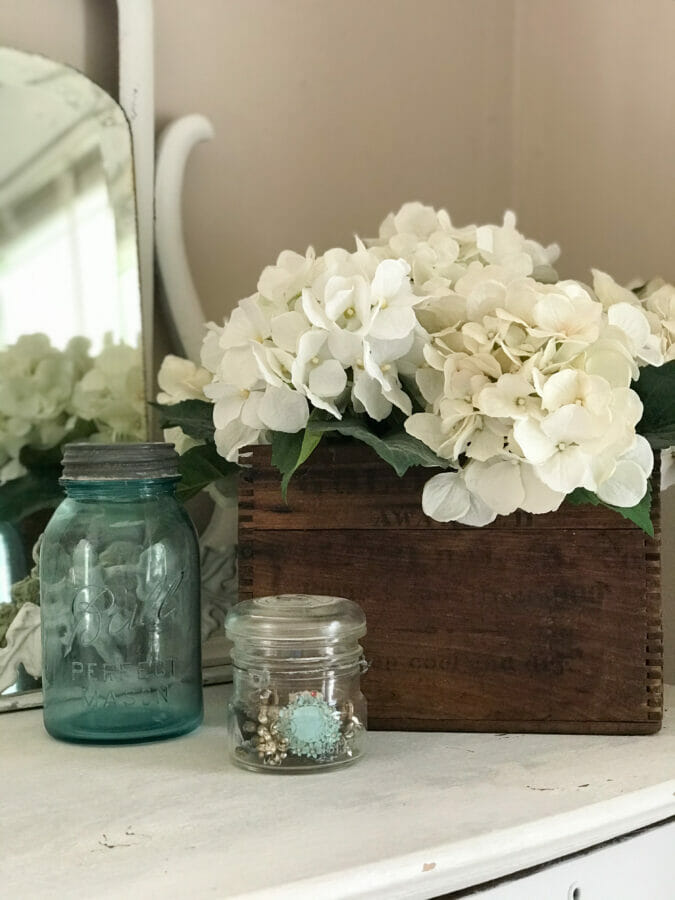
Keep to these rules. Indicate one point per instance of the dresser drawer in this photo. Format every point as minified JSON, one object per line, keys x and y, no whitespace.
{"x":640,"y":866}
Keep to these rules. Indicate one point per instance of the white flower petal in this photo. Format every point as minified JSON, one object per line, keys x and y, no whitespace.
{"x":249,"y":414}
{"x":486,"y":442}
{"x":313,"y":310}
{"x":339,"y":296}
{"x":536,"y":446}
{"x":430,"y":383}
{"x":479,"y":513}
{"x":389,"y":276}
{"x":566,"y":470}
{"x":228,"y":407}
{"x":328,"y":379}
{"x":626,"y":486}
{"x":368,"y":392}
{"x":445,"y":497}
{"x":233,"y":437}
{"x":311,"y":343}
{"x":642,"y":454}
{"x":539,"y":498}
{"x":282,"y":409}
{"x":180,"y":379}
{"x":570,"y":424}
{"x":211,"y":350}
{"x":561,"y":389}
{"x":392,"y":323}
{"x":238,"y":366}
{"x":497,"y":484}
{"x":426,"y":428}
{"x":287,"y":329}
{"x":268,"y":366}
{"x":632,"y":321}
{"x":345,"y":346}
{"x":384,"y":351}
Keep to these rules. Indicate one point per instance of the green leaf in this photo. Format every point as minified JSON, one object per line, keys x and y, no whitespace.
{"x":50,"y":458}
{"x":290,"y":451}
{"x":310,"y":442}
{"x":29,"y":494}
{"x":195,"y":417}
{"x":400,"y":450}
{"x":656,"y":389}
{"x":581,"y":496}
{"x":639,"y":514}
{"x":200,"y":467}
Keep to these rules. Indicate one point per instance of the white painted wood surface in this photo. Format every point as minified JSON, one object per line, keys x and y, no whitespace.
{"x":423,"y":814}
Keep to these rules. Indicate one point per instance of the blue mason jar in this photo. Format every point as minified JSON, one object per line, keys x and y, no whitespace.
{"x":119,"y":592}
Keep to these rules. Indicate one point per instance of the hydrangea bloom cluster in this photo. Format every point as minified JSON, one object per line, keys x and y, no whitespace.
{"x":111,"y":395}
{"x":327,"y":333}
{"x":44,"y":391}
{"x":519,"y":381}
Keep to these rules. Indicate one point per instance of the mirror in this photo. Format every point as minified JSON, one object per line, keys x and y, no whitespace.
{"x":70,"y":317}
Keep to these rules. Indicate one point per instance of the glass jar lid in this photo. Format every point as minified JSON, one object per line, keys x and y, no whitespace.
{"x":119,"y":462}
{"x":295,"y":617}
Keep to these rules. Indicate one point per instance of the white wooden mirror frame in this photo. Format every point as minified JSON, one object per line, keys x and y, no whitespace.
{"x":158,"y":188}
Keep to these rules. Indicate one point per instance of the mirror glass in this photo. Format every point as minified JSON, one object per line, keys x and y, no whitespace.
{"x":70,"y":317}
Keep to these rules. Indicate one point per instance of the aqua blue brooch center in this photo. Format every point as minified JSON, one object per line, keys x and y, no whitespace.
{"x":310,"y":726}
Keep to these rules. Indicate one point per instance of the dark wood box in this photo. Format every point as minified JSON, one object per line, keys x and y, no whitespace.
{"x":546,"y":623}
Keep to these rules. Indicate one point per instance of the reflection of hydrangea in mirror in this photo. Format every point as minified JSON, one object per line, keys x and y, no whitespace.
{"x":47,"y":394}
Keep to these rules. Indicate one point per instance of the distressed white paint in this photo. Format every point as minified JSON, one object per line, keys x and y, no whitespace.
{"x":421,"y":815}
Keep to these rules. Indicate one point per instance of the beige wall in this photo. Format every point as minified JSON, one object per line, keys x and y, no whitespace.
{"x":331,"y":112}
{"x":594,"y":145}
{"x":328,"y":115}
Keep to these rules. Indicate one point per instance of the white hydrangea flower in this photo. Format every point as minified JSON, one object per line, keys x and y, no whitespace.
{"x":370,"y":326}
{"x":659,"y":301}
{"x":446,"y":498}
{"x":520,"y":381}
{"x":37,"y":382}
{"x":506,"y":246}
{"x":647,"y":320}
{"x":284,"y":281}
{"x":44,"y":391}
{"x":534,"y":399}
{"x":180,"y":379}
{"x":112,"y":395}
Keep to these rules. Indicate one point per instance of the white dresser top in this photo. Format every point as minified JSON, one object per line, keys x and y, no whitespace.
{"x":421,"y":815}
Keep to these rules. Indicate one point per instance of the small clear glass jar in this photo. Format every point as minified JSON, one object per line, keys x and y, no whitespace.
{"x":119,"y":588}
{"x":297,"y":704}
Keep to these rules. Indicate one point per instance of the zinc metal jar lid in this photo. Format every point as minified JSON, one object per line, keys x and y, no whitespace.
{"x":295,"y":617}
{"x":119,"y":462}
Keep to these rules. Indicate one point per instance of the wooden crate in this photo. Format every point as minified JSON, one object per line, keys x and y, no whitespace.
{"x":546,"y":623}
